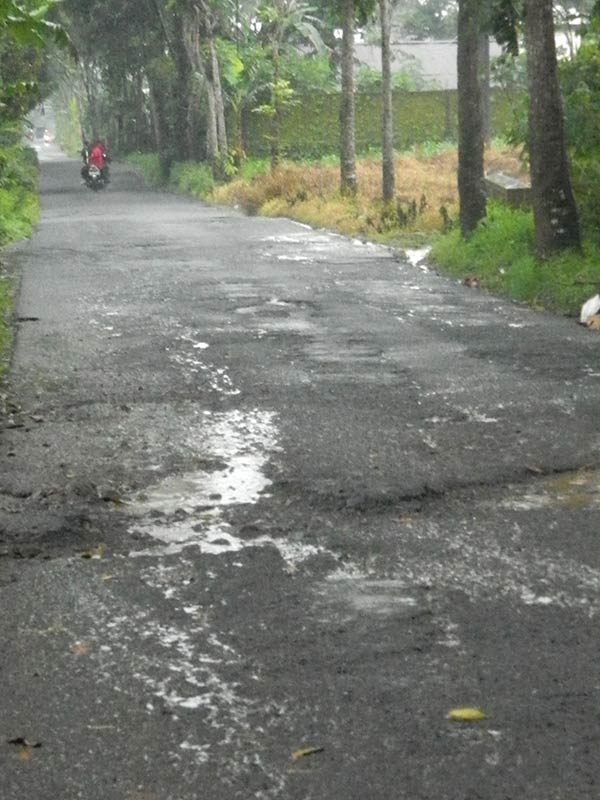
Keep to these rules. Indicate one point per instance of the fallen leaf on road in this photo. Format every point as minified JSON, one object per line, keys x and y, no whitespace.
{"x":94,"y":552}
{"x":26,"y":747}
{"x":306,"y":751}
{"x":81,"y":649}
{"x":466,"y":714}
{"x":534,"y":469}
{"x":20,"y":740}
{"x":472,"y":281}
{"x":593,"y":323}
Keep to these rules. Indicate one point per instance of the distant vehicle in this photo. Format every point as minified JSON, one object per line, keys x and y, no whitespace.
{"x":40,"y":132}
{"x":48,"y":137}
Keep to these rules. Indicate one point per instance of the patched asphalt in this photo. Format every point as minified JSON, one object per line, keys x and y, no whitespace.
{"x":272,"y":502}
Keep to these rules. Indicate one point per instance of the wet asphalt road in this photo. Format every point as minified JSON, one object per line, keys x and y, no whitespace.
{"x":265,"y":488}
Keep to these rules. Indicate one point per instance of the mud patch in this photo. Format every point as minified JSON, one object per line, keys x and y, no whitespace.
{"x":574,"y":491}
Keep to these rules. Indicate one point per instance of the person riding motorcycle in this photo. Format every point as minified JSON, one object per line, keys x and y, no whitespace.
{"x":99,"y":157}
{"x":96,"y":155}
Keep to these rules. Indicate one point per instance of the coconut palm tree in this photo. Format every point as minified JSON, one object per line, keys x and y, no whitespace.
{"x":554,"y":209}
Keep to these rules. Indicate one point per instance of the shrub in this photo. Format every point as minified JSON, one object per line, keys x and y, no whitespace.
{"x":148,"y":165}
{"x":501,"y":254}
{"x":192,"y":178}
{"x":19,"y":205}
{"x":19,"y":211}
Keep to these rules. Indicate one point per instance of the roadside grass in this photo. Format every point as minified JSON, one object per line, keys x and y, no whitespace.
{"x":192,"y":178}
{"x":501,"y":255}
{"x":426,"y":194}
{"x":19,"y":212}
{"x":148,"y":166}
{"x":6,"y":309}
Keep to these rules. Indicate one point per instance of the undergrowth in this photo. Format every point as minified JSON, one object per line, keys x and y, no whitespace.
{"x":500,"y":254}
{"x":19,"y":211}
{"x":148,"y":165}
{"x":426,"y":194}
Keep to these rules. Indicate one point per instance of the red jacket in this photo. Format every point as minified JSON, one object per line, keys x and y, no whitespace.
{"x":96,"y":157}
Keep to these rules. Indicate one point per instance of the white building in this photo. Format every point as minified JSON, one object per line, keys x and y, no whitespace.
{"x":435,"y":59}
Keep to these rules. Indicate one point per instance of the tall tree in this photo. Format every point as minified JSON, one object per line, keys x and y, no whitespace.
{"x":426,"y":19}
{"x":554,"y":209}
{"x":284,"y":23}
{"x":470,"y":118}
{"x":388,"y":161}
{"x":348,"y":178}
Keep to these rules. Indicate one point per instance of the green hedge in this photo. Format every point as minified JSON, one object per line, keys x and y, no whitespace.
{"x":310,"y":126}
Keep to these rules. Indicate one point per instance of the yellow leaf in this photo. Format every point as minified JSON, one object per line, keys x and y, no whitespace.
{"x":466,"y":714}
{"x":94,"y":552}
{"x":80,"y":649}
{"x":306,"y":751}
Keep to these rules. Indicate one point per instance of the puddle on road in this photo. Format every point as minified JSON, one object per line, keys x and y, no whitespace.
{"x":241,"y":440}
{"x":186,"y":510}
{"x":195,"y":369}
{"x":280,"y":315}
{"x":378,"y":597}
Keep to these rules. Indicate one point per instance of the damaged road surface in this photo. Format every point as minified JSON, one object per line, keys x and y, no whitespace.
{"x":273,"y":502}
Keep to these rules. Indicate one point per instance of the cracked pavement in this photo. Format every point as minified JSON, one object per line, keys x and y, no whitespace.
{"x":265,"y":488}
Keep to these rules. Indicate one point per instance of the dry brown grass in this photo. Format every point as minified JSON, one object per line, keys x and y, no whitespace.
{"x":311,"y":194}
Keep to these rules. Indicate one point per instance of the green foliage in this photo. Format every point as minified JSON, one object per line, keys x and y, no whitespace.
{"x":308,"y":73}
{"x":68,"y":128}
{"x":192,"y":178}
{"x":501,"y":254}
{"x":250,"y":168}
{"x":19,"y":207}
{"x":24,"y":33}
{"x":186,"y":176}
{"x":509,"y":75}
{"x":19,"y":211}
{"x":6,"y":306}
{"x":148,"y":165}
{"x":580,"y":79}
{"x":408,"y":78}
{"x":427,"y":19}
{"x":310,"y":127}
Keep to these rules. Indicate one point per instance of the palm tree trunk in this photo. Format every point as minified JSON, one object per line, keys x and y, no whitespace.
{"x":212,"y":136}
{"x":161,"y":130}
{"x":388,"y":170}
{"x":183,"y":67}
{"x":484,"y":77}
{"x":470,"y":119}
{"x":219,"y":103}
{"x":276,"y":119}
{"x":349,"y":183}
{"x":554,"y":209}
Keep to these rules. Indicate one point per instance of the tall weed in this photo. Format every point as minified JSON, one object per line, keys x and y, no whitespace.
{"x":148,"y":165}
{"x":192,"y":178}
{"x":501,"y":254}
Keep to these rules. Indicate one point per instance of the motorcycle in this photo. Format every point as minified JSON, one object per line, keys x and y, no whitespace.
{"x":94,"y":178}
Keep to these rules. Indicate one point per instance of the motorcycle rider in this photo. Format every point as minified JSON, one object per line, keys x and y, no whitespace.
{"x":98,"y":156}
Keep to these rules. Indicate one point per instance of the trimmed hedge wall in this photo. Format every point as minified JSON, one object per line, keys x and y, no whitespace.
{"x":310,"y":127}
